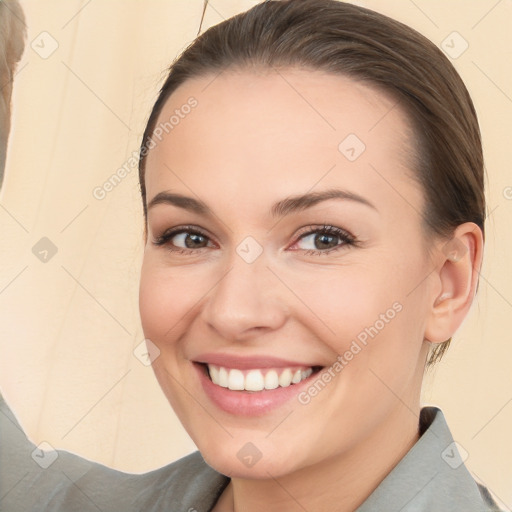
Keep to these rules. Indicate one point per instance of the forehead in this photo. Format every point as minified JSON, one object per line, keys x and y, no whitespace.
{"x":251,"y":134}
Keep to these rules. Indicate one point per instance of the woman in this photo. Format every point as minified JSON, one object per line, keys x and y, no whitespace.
{"x":312,"y":182}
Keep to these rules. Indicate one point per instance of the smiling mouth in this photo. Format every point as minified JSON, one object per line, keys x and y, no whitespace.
{"x":257,"y":379}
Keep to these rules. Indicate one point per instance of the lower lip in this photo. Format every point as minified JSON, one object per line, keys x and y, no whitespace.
{"x":249,"y":403}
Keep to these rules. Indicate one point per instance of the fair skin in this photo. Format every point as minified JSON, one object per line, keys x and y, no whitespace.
{"x":253,"y":139}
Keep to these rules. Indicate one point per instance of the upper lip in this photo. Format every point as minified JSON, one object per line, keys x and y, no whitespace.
{"x":247,"y":362}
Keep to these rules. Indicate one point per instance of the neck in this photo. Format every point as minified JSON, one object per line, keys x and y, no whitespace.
{"x":338,"y":484}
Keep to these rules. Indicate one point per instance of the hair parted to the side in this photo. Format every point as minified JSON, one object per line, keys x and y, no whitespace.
{"x":345,"y":39}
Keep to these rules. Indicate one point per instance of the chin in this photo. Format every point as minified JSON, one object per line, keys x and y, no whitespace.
{"x":227,"y":461}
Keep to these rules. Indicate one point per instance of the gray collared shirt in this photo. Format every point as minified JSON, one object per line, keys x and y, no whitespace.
{"x":430,"y":477}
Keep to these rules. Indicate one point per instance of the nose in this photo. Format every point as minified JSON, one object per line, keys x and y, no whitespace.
{"x":247,"y":301}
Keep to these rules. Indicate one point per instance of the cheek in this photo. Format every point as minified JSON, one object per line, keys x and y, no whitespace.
{"x":166,"y":296}
{"x":343,"y":301}
{"x":152,"y":297}
{"x":161,"y":301}
{"x":169,"y":298}
{"x":367,"y":310}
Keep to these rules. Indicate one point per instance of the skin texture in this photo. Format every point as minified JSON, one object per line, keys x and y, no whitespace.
{"x":254,"y":138}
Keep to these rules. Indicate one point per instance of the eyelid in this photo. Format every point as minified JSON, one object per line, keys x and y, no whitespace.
{"x":172,"y":232}
{"x":344,"y":235}
{"x":347,"y":238}
{"x":325,"y":227}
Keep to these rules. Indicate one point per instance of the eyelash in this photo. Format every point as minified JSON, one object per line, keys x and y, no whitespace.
{"x":344,"y":236}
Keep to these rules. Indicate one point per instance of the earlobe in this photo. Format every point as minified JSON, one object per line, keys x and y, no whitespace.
{"x":459,"y":263}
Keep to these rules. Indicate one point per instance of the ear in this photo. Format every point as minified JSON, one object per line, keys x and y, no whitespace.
{"x":459,"y":261}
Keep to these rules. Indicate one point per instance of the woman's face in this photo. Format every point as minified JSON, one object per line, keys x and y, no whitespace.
{"x":249,"y":283}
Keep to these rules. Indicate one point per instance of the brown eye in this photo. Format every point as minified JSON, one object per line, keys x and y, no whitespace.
{"x":190,"y":240}
{"x":183,"y":240}
{"x":325,"y":239}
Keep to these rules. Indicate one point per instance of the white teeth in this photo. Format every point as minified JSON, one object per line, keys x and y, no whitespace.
{"x":296,"y":377}
{"x":256,"y":379}
{"x":285,"y":379}
{"x":236,"y":380}
{"x":271,"y":380}
{"x":214,"y":372}
{"x":307,"y":373}
{"x":223,"y":378}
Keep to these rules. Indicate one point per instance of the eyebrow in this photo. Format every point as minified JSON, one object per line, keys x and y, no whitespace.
{"x":281,"y":208}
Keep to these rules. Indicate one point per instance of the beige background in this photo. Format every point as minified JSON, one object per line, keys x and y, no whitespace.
{"x":69,"y":326}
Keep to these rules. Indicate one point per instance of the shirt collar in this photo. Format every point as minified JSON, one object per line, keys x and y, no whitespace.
{"x":431,"y":476}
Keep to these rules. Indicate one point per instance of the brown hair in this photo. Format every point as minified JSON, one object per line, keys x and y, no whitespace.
{"x":13,"y":32}
{"x":349,"y":40}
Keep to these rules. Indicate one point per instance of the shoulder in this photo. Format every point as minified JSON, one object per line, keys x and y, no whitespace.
{"x":33,"y":480}
{"x":456,"y":485}
{"x":29,"y":476}
{"x":487,"y":498}
{"x":431,"y":476}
